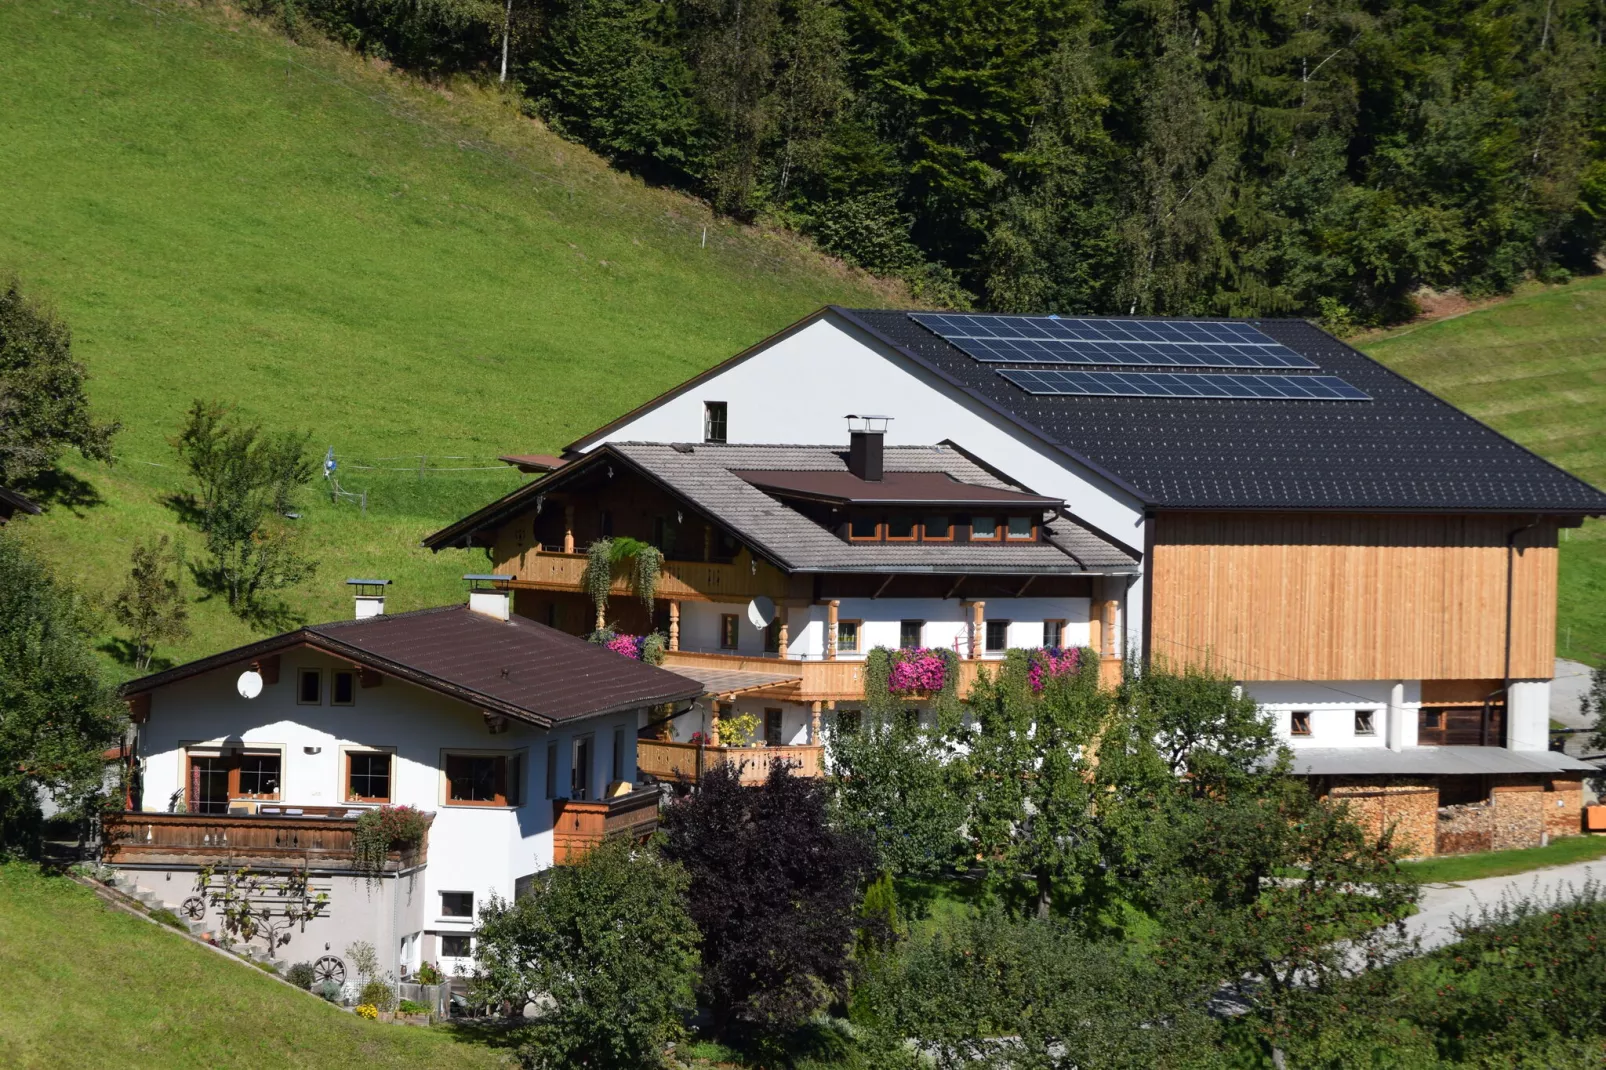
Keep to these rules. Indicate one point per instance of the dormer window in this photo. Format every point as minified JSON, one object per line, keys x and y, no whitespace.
{"x":984,"y":529}
{"x":1021,"y":529}
{"x":937,"y":529}
{"x":865,"y":529}
{"x":901,"y":529}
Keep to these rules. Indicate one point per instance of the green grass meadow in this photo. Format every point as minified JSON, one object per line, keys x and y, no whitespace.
{"x":401,"y":270}
{"x":89,"y":986}
{"x":1533,"y":368}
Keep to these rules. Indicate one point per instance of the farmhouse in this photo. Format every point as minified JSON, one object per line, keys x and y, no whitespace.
{"x":515,"y":741}
{"x":1376,"y":567}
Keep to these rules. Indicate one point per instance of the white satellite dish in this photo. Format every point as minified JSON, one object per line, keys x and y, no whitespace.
{"x":761,"y":611}
{"x":249,"y":684}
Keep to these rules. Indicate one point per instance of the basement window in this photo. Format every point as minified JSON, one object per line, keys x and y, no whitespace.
{"x":456,"y":946}
{"x":1363,"y":723}
{"x":1299,"y":723}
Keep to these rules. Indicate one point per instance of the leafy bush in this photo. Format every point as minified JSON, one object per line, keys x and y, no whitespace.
{"x":1066,"y":1001}
{"x":429,"y":974}
{"x":610,"y":943}
{"x":300,"y":975}
{"x":412,"y":1006}
{"x":378,"y":993}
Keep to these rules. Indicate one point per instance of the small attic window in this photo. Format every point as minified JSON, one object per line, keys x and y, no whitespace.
{"x":714,"y":421}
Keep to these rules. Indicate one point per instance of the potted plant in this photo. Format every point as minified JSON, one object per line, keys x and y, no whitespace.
{"x":382,"y":830}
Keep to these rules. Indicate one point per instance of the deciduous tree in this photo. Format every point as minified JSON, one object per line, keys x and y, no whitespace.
{"x":151,"y":604}
{"x":775,"y":893}
{"x":246,"y":481}
{"x":609,"y":943}
{"x":44,"y":409}
{"x":56,"y":714}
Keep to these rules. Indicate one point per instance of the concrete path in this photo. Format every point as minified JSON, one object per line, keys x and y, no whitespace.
{"x":1570,"y":684}
{"x":1443,"y":903}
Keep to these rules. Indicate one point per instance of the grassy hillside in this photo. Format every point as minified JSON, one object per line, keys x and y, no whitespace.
{"x":401,"y":271}
{"x":88,"y":986}
{"x":1533,"y":367}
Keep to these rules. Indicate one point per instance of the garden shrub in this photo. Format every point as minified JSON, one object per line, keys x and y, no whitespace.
{"x":300,"y":975}
{"x":412,"y":1006}
{"x":378,"y":993}
{"x":330,"y":991}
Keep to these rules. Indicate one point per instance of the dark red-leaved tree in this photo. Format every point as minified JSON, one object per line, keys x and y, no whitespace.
{"x":774,"y":891}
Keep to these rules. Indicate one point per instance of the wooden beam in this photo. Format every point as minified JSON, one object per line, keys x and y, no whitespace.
{"x":268,"y":669}
{"x":884,"y":585}
{"x":960,"y":582}
{"x":977,"y":624}
{"x":784,"y":637}
{"x":139,"y":707}
{"x":814,"y":722}
{"x":830,"y":628}
{"x":369,"y":677}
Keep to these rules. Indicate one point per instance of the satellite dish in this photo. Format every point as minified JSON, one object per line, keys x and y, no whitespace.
{"x":761,"y":611}
{"x":249,"y":684}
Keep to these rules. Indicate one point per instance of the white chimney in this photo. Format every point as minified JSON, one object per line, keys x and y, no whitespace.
{"x":370,"y":597}
{"x":484,"y":597}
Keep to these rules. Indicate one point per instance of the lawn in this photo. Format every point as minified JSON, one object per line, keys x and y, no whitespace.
{"x":403,"y":271}
{"x":1561,"y":852}
{"x":90,"y":986}
{"x":1534,"y":368}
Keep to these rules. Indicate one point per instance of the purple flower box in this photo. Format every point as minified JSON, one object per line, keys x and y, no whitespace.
{"x":1049,"y":663}
{"x":629,"y":646}
{"x":918,"y":670}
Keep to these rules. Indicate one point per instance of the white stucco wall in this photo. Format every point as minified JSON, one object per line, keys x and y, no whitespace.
{"x":471,"y":848}
{"x":1528,"y":715}
{"x":1332,"y":706}
{"x":947,"y":623}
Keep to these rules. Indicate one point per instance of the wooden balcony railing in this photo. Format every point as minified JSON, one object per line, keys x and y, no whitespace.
{"x":579,"y":825}
{"x":706,"y":581}
{"x":687,"y":763}
{"x":258,"y":841}
{"x":841,"y":680}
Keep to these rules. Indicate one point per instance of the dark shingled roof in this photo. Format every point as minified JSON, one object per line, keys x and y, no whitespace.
{"x":516,"y":667}
{"x":1405,"y":450}
{"x":894,"y":488}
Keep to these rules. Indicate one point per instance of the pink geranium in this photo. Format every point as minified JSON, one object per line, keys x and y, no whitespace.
{"x":917,"y":670}
{"x":628,"y":645}
{"x":1047,"y":663}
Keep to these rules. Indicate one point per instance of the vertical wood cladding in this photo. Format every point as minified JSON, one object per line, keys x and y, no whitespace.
{"x":1269,"y":596}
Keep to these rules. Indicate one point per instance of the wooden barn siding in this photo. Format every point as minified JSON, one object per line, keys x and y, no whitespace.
{"x":1323,"y":597}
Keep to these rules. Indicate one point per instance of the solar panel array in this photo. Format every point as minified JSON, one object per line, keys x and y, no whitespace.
{"x":1121,"y":343}
{"x":1175,"y":385}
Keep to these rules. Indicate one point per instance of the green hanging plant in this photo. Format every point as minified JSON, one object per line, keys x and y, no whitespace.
{"x":646,"y":566}
{"x":597,"y":579}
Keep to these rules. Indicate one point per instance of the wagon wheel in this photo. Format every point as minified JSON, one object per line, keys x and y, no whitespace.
{"x":329,"y":968}
{"x":194,"y":908}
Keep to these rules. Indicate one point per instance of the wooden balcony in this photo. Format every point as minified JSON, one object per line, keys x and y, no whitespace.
{"x":837,"y":681}
{"x":579,"y":825}
{"x":685,"y":763}
{"x":683,"y":581}
{"x":313,"y":840}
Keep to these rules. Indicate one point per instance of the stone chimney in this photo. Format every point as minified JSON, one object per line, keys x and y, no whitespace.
{"x":866,"y":440}
{"x":485,"y":596}
{"x":370,"y":597}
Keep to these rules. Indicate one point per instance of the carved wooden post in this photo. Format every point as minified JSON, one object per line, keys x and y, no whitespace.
{"x":568,"y":528}
{"x":784,"y":637}
{"x":977,"y":626}
{"x":814,"y":721}
{"x":830,"y":628}
{"x":602,"y":619}
{"x":674,"y":626}
{"x":713,"y":723}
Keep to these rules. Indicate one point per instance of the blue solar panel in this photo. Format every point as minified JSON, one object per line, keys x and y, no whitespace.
{"x":1174,"y":385}
{"x":1121,"y":343}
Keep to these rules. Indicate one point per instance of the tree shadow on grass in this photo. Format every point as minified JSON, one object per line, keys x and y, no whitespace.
{"x":125,"y":653}
{"x":504,"y":1033}
{"x":57,"y":487}
{"x":185,"y":507}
